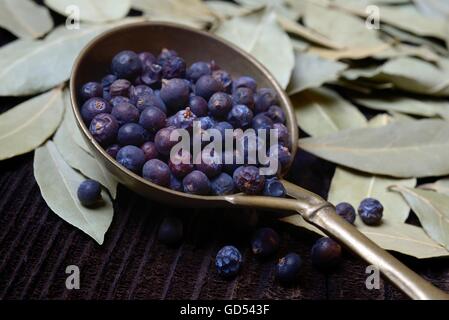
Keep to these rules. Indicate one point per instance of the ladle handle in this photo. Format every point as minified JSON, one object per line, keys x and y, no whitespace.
{"x":322,"y":214}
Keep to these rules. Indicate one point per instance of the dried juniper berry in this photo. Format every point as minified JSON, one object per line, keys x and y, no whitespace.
{"x":196,"y":182}
{"x":156,"y":171}
{"x":89,"y":193}
{"x":104,"y":128}
{"x":346,"y":211}
{"x":283,"y":135}
{"x":228,"y":261}
{"x":126,"y":64}
{"x":136,"y":91}
{"x":276,"y":114}
{"x":152,"y":119}
{"x":152,"y":76}
{"x":149,"y":150}
{"x":248,"y":180}
{"x":170,"y":231}
{"x":132,"y":134}
{"x":175,"y":184}
{"x":184,"y":119}
{"x":265,"y":242}
{"x":206,"y":122}
{"x":274,"y":188}
{"x":149,"y":100}
{"x":125,"y":113}
{"x":94,"y":106}
{"x":165,"y":55}
{"x":107,"y":80}
{"x":325,"y":254}
{"x":220,"y":104}
{"x":147,"y":58}
{"x":198,"y":106}
{"x":115,"y":101}
{"x":262,"y":122}
{"x":245,"y":82}
{"x":206,"y":86}
{"x":112,"y":150}
{"x":222,"y":126}
{"x":371,"y":211}
{"x":120,"y":87}
{"x":174,"y":67}
{"x":132,"y":158}
{"x":181,"y":164}
{"x":91,"y":90}
{"x":222,"y":185}
{"x":163,"y":142}
{"x":224,"y":78}
{"x":264,"y":99}
{"x":175,"y":93}
{"x":197,"y":70}
{"x":282,"y":154}
{"x":240,"y":116}
{"x":209,"y":162}
{"x":288,"y":269}
{"x":243,"y":96}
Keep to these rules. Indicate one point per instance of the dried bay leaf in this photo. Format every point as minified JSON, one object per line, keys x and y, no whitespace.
{"x":191,"y":12}
{"x":345,"y":29}
{"x":440,"y":186}
{"x":260,"y":35}
{"x":80,"y":160}
{"x":70,"y":123}
{"x":433,"y":8}
{"x":27,"y":125}
{"x":92,"y":10}
{"x":425,"y":108}
{"x":32,"y":66}
{"x":352,"y":187}
{"x":320,"y":112}
{"x":24,"y":18}
{"x":59,"y":183}
{"x":226,"y":10}
{"x":432,"y":209}
{"x":403,"y":149}
{"x":299,"y":30}
{"x":311,"y":71}
{"x":351,"y":53}
{"x":403,"y":238}
{"x":405,"y":50}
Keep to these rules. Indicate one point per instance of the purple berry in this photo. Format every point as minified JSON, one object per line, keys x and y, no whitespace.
{"x":136,"y":91}
{"x":149,"y":150}
{"x":165,"y":55}
{"x":274,"y":188}
{"x":262,"y":122}
{"x":196,"y":182}
{"x":223,"y":184}
{"x":163,"y":142}
{"x":132,"y":134}
{"x":346,"y":211}
{"x":325,"y":254}
{"x":112,"y":150}
{"x":156,"y":171}
{"x":289,"y":268}
{"x":184,"y":119}
{"x":175,"y":184}
{"x":245,"y":82}
{"x":152,"y":119}
{"x":152,"y":76}
{"x":206,"y":86}
{"x":264,"y":99}
{"x":115,"y":101}
{"x":265,"y":242}
{"x":126,"y":64}
{"x":248,"y":180}
{"x":175,"y":93}
{"x":150,"y":100}
{"x":198,"y":106}
{"x":125,"y":113}
{"x":209,"y":163}
{"x":89,"y":192}
{"x":91,"y":90}
{"x":243,"y":96}
{"x":120,"y":87}
{"x":181,"y":164}
{"x":224,"y":79}
{"x":197,"y":70}
{"x":174,"y":67}
{"x":93,"y":107}
{"x":220,"y":104}
{"x":104,"y":128}
{"x":371,"y":211}
{"x":228,"y":261}
{"x":132,"y":158}
{"x":276,"y":114}
{"x":240,"y":116}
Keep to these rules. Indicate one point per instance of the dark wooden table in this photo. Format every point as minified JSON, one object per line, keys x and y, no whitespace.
{"x":36,"y":246}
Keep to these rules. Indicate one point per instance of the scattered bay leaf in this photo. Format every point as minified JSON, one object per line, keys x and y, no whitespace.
{"x":80,"y":160}
{"x":320,"y":112}
{"x":92,"y":10}
{"x":299,"y":30}
{"x":425,"y":108}
{"x":226,"y":10}
{"x":433,"y":8}
{"x":260,"y":35}
{"x":403,"y":149}
{"x":24,"y":18}
{"x":432,"y":209}
{"x":405,"y":50}
{"x":311,"y":71}
{"x":440,"y":186}
{"x":351,"y":53}
{"x":59,"y":184}
{"x":352,"y":187}
{"x":27,"y":125}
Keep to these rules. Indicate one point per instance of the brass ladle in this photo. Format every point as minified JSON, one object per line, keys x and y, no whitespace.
{"x":93,"y":63}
